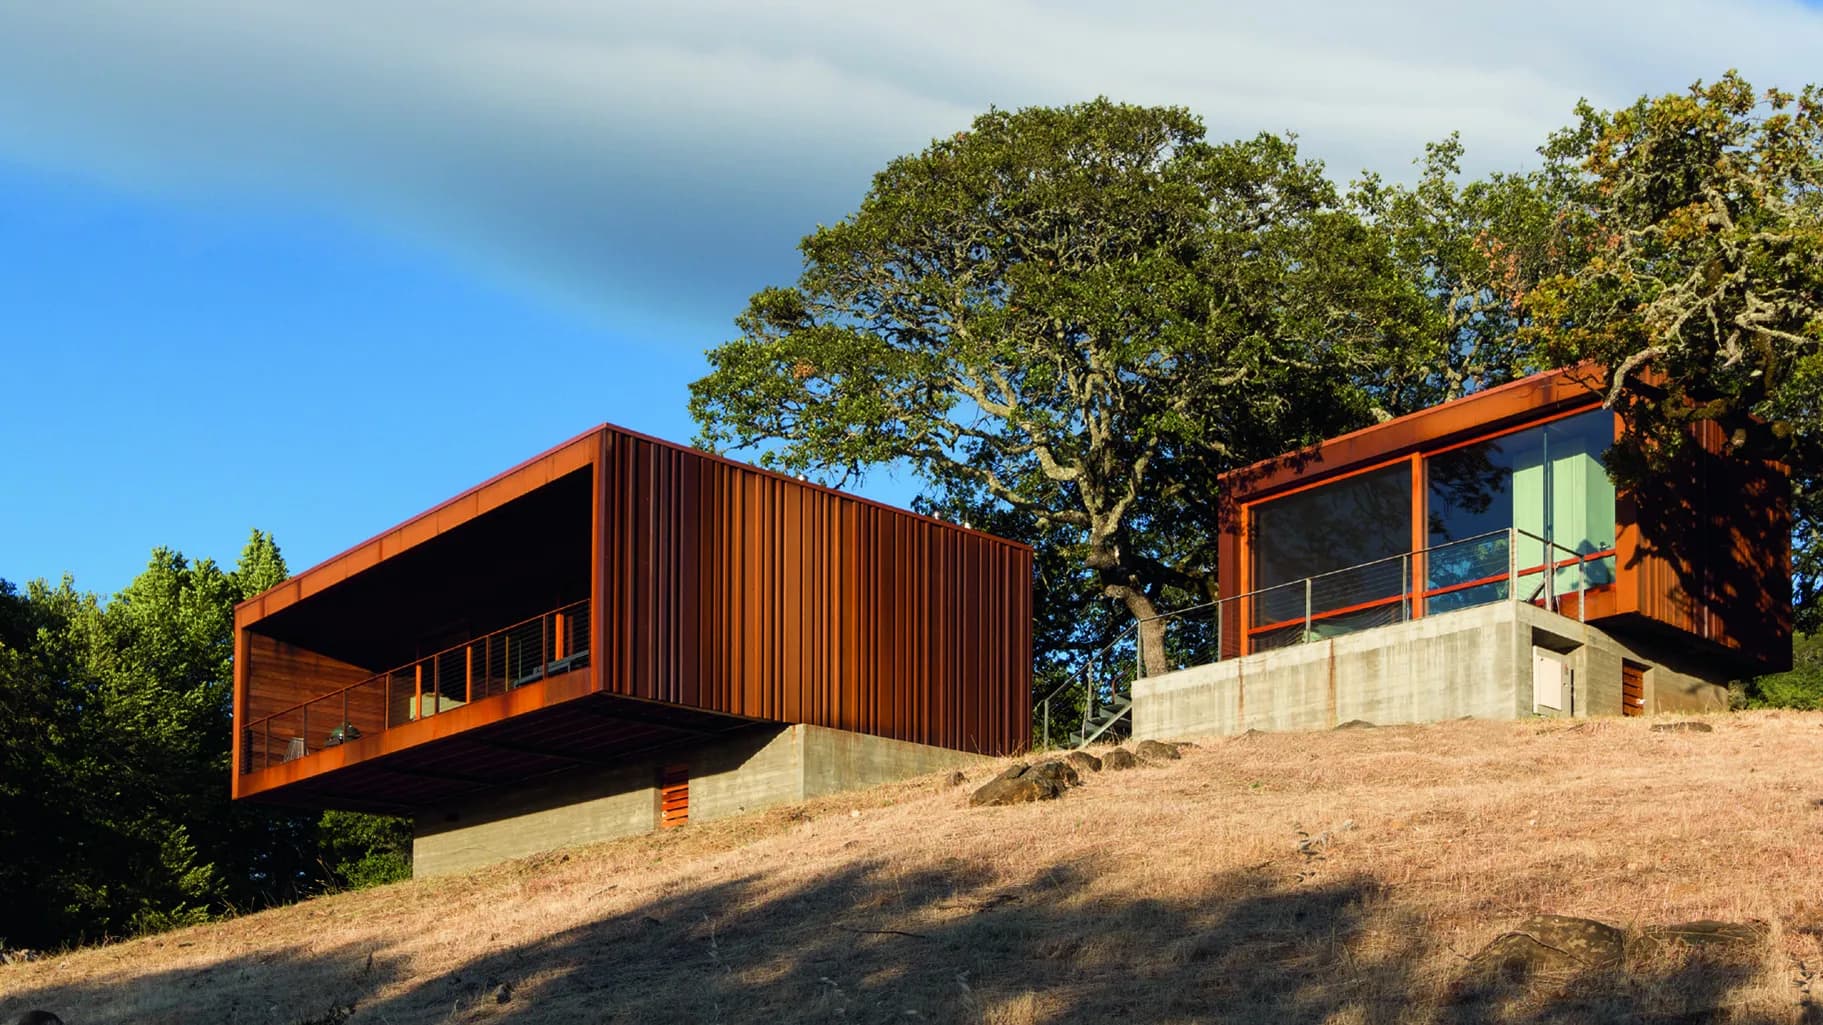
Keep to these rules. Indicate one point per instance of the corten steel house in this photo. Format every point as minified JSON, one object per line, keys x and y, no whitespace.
{"x":623,"y":634}
{"x":1475,"y":559}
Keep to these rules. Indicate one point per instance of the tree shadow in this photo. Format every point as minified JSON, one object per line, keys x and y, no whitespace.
{"x":1714,"y":539}
{"x":287,"y":985}
{"x":943,"y":941}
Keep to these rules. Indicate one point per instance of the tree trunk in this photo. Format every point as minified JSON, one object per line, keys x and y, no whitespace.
{"x":1151,"y":633}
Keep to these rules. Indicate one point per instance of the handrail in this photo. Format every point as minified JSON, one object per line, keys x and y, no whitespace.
{"x":560,"y":644}
{"x":1090,"y":658}
{"x":401,"y":667}
{"x":1177,"y":613}
{"x":1410,"y":590}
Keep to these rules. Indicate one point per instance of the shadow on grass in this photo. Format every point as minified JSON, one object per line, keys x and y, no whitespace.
{"x":944,"y":942}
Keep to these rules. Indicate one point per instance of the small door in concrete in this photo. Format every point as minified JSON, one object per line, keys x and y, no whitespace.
{"x":674,"y":796}
{"x":1632,"y":688}
{"x":1550,"y":683}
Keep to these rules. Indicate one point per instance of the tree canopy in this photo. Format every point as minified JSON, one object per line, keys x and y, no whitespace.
{"x":1081,"y":315}
{"x":1067,"y":322}
{"x":117,"y":719}
{"x":1704,"y":215}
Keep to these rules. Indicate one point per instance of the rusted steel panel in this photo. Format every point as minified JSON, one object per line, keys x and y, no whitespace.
{"x":747,"y":593}
{"x":1710,"y":551}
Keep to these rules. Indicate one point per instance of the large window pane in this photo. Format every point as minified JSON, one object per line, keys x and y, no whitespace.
{"x":1548,"y":484}
{"x":1338,"y":526}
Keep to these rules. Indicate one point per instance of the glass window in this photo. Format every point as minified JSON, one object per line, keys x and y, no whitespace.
{"x":1549,"y":484}
{"x":1339,"y":526}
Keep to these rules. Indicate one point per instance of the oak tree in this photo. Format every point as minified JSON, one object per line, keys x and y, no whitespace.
{"x":1080,"y":315}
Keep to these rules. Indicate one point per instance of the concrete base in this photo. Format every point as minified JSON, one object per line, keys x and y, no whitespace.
{"x":746,"y":770}
{"x":1494,"y":661}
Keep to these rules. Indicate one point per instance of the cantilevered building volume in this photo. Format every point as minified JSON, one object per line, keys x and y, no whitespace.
{"x":624,"y":634}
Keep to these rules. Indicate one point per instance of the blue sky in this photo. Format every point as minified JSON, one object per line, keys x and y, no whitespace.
{"x":315,"y":267}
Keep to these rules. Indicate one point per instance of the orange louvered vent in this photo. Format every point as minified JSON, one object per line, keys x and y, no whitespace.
{"x":674,"y":796}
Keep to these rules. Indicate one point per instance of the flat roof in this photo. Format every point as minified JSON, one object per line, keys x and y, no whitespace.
{"x":1485,"y":411}
{"x":537,"y":471}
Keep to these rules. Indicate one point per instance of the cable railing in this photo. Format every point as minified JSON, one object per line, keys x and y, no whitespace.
{"x":1500,"y":565}
{"x":543,"y":646}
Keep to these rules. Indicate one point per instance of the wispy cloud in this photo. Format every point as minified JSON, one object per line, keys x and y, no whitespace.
{"x":664,"y":158}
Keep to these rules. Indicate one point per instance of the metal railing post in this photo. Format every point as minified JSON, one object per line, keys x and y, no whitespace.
{"x":1139,"y":648}
{"x":1218,"y":629}
{"x":1407,"y":584}
{"x":1582,"y":589}
{"x":1307,"y":610}
{"x":1512,"y":564}
{"x":1045,"y":736}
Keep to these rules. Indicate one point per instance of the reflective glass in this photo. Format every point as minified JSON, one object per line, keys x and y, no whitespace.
{"x":1338,"y":526}
{"x":1548,"y":483}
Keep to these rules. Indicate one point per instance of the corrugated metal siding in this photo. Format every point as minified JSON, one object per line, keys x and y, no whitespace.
{"x":741,"y":592}
{"x":1714,"y":551}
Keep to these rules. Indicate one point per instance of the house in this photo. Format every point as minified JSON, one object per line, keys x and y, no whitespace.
{"x":623,"y":634}
{"x":1475,"y":559}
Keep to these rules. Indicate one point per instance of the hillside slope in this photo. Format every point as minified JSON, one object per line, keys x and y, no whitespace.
{"x":1172,"y":893}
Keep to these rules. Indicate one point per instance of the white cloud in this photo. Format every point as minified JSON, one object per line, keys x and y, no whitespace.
{"x":667,"y":159}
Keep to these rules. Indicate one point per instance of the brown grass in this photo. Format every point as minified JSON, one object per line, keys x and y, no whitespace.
{"x":1165,"y":894}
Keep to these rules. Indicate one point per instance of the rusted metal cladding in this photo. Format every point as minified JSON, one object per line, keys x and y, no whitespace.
{"x":738,"y":591}
{"x":1712,"y":551}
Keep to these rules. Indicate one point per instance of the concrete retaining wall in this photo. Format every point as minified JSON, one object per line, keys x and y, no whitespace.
{"x":748,"y":770}
{"x":1474,"y":662}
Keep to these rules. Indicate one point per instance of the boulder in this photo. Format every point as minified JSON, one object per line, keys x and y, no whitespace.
{"x":1083,"y":761}
{"x":1022,"y":783}
{"x":1119,"y":758}
{"x":1516,"y":958}
{"x":1355,"y":724}
{"x":1156,"y":751}
{"x":1551,"y":946}
{"x":1683,"y":726}
{"x":1057,"y":770}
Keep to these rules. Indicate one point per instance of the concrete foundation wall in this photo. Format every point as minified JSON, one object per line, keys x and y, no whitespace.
{"x":837,"y":760}
{"x":748,"y":770}
{"x":1474,"y":662}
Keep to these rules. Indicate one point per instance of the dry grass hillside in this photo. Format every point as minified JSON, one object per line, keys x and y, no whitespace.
{"x":1169,"y":893}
